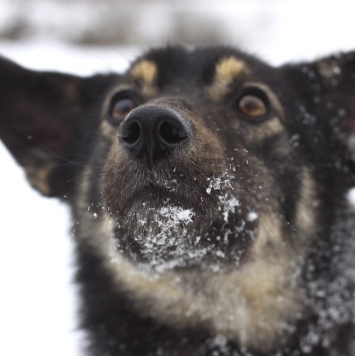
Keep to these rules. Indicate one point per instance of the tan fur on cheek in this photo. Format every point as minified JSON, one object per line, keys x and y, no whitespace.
{"x":271,"y":127}
{"x":206,"y":145}
{"x":108,"y":131}
{"x":305,"y":216}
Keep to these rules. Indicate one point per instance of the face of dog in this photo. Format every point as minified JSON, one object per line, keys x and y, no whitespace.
{"x":185,"y":175}
{"x":206,"y":173}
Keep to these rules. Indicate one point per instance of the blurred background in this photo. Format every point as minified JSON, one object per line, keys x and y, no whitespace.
{"x":38,"y":303}
{"x":276,"y":29}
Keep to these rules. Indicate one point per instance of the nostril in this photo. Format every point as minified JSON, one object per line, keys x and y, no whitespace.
{"x":131,"y":133}
{"x":172,"y":133}
{"x":150,"y":133}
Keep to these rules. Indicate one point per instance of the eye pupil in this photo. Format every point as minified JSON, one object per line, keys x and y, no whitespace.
{"x":122,"y":107}
{"x":252,"y":106}
{"x":121,"y":104}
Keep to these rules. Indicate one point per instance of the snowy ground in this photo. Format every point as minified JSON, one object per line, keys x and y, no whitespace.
{"x":37,"y":303}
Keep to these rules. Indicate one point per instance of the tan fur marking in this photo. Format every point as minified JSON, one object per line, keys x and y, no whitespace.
{"x":145,"y":72}
{"x":306,"y":206}
{"x":269,"y":128}
{"x":269,"y":233}
{"x":108,"y":130}
{"x":228,"y":68}
{"x":226,"y":71}
{"x":38,"y":178}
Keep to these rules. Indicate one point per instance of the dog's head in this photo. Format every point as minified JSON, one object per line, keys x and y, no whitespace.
{"x":206,"y":168}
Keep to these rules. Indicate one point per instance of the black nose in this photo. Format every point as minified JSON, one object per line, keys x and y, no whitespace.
{"x":150,"y":133}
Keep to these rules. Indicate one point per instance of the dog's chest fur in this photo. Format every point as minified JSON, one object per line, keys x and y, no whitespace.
{"x":208,"y":193}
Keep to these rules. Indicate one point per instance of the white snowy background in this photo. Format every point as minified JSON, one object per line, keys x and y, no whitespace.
{"x":37,"y":298}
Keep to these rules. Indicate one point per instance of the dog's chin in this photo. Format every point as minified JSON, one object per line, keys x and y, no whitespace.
{"x":164,"y":231}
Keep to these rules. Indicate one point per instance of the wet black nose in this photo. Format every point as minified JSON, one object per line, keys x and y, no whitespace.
{"x":150,"y":133}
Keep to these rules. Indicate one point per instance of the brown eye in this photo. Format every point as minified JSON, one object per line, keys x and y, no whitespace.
{"x":252,"y":106}
{"x":122,"y":108}
{"x":121,"y":105}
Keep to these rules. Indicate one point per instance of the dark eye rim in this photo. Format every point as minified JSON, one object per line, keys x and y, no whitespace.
{"x":260,"y":94}
{"x":120,"y":95}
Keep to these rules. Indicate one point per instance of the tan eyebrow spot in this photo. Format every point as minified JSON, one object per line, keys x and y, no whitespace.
{"x":145,"y":71}
{"x":226,"y":70}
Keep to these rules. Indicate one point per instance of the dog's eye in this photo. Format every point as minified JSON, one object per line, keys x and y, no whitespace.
{"x":122,"y":108}
{"x":121,"y":105}
{"x":253,"y":105}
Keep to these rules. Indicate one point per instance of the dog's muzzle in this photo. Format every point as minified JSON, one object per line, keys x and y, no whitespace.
{"x":150,"y":133}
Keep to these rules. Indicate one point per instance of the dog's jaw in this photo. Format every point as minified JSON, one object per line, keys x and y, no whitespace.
{"x":255,"y":305}
{"x":238,"y":304}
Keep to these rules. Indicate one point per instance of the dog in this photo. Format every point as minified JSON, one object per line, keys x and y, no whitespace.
{"x":209,"y":196}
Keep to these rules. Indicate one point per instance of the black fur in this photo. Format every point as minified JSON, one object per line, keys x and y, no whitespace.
{"x":54,"y":125}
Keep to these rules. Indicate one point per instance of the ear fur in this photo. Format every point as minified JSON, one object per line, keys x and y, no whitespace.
{"x":47,"y":121}
{"x":326,"y":87}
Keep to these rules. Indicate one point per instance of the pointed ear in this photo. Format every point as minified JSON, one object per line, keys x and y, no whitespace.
{"x":47,"y":121}
{"x":326,"y":87}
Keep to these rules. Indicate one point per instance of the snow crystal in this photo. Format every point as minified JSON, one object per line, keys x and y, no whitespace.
{"x":164,"y":235}
{"x":229,"y":205}
{"x":227,"y":202}
{"x":252,"y":216}
{"x":220,"y":343}
{"x":220,"y":254}
{"x":351,"y":197}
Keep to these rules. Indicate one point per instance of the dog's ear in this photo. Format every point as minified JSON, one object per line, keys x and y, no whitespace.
{"x":48,"y":121}
{"x":326,"y":89}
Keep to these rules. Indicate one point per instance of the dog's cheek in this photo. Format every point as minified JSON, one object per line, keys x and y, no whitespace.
{"x":115,"y":171}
